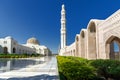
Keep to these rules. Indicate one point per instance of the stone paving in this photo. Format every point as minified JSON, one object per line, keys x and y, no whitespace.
{"x":45,"y":71}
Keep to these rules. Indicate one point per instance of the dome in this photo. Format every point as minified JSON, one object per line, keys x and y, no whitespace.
{"x":8,"y":37}
{"x":33,"y":41}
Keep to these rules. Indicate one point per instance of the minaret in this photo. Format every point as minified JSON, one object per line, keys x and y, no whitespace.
{"x":63,"y":27}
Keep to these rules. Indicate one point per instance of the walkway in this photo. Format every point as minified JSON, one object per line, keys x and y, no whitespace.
{"x":45,"y":71}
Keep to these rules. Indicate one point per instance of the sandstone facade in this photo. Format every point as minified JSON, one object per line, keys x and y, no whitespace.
{"x":97,"y":40}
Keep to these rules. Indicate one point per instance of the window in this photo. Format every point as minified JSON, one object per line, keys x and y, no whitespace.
{"x":5,"y":42}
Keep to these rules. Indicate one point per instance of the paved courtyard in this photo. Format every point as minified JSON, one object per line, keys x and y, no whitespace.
{"x":46,"y":71}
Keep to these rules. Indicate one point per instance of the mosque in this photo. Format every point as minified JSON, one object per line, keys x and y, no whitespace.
{"x":9,"y":45}
{"x":96,"y":41}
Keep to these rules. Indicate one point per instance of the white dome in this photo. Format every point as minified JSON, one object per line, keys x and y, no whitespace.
{"x":8,"y":37}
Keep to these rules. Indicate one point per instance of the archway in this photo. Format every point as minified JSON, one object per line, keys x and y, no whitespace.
{"x":113,"y":48}
{"x":73,"y":52}
{"x":1,"y":49}
{"x":82,"y":40}
{"x":14,"y":50}
{"x":77,"y":45}
{"x":5,"y":50}
{"x":92,"y":40}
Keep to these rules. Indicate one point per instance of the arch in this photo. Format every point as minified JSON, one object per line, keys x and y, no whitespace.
{"x":73,"y":52}
{"x":77,"y":44}
{"x":77,"y":38}
{"x":14,"y":50}
{"x":92,"y":27}
{"x":5,"y":50}
{"x":82,"y":34}
{"x":92,"y":54}
{"x":109,"y":48}
{"x":1,"y":48}
{"x":112,"y":38}
{"x":82,"y":43}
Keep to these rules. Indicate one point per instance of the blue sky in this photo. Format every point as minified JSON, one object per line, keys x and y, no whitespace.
{"x":23,"y":19}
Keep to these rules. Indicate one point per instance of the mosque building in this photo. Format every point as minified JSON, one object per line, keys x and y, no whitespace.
{"x":95,"y":42}
{"x":9,"y":45}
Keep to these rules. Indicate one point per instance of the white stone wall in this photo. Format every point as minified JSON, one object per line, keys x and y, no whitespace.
{"x":40,"y":49}
{"x":95,"y":44}
{"x":13,"y":47}
{"x":6,"y":43}
{"x":110,"y":27}
{"x":71,"y":50}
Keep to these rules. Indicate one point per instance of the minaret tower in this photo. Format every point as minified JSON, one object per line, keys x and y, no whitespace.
{"x":63,"y":27}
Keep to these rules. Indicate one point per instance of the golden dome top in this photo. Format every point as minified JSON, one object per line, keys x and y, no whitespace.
{"x":33,"y":41}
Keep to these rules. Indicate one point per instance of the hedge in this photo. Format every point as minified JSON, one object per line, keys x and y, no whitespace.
{"x":75,"y":68}
{"x":109,"y":69}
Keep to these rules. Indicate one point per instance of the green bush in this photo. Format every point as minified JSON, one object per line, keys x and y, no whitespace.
{"x":109,"y":69}
{"x":74,"y":68}
{"x":76,"y":71}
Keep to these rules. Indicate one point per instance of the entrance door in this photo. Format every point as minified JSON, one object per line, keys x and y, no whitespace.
{"x":5,"y":50}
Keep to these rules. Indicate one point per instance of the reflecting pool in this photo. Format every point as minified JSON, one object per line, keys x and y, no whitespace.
{"x":15,"y":64}
{"x":43,"y":68}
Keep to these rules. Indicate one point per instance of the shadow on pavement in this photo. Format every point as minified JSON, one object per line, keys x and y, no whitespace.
{"x":39,"y":77}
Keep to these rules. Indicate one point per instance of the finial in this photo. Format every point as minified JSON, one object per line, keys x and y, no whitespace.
{"x":63,"y":6}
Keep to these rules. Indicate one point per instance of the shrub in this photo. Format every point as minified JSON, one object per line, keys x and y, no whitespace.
{"x":107,"y":68}
{"x":74,"y":68}
{"x":76,"y":71}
